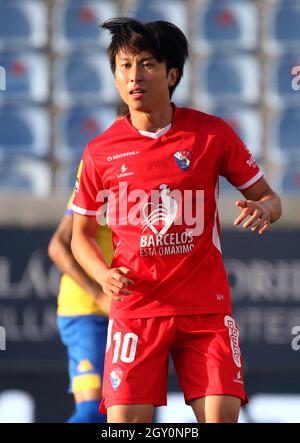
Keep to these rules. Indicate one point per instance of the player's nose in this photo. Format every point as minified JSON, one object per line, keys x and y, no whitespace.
{"x":135,"y":73}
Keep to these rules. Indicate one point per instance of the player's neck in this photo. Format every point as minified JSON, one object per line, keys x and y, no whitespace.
{"x":151,"y":121}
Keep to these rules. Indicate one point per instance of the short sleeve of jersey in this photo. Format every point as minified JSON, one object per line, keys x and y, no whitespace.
{"x":88,"y":185}
{"x":237,"y":162}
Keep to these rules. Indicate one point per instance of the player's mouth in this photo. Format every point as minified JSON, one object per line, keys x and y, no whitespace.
{"x":137,"y":93}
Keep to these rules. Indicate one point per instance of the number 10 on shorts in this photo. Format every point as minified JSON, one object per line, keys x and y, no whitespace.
{"x":127,"y":343}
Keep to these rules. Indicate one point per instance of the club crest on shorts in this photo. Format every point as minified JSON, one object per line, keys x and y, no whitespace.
{"x":183,"y":159}
{"x":116,"y":376}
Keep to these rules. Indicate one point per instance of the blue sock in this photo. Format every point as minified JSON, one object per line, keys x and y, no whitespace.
{"x":87,"y":412}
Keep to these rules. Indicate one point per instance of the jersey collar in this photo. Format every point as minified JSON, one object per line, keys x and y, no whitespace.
{"x":158,"y":134}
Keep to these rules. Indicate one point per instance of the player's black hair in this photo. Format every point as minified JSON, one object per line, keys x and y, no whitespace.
{"x":162,"y":39}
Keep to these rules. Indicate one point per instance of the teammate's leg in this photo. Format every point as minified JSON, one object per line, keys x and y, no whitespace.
{"x":87,"y":407}
{"x":130,"y":414}
{"x":85,"y":338}
{"x":216,"y":409}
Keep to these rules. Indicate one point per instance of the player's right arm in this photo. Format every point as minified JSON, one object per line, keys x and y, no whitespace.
{"x":89,"y":255}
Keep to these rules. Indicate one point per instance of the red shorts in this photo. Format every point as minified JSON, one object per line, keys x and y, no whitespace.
{"x":205,"y":351}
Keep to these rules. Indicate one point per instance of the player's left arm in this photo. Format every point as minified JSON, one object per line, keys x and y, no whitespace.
{"x":262,"y":206}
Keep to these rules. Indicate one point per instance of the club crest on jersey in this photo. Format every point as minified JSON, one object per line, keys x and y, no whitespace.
{"x":183,"y":159}
{"x":116,"y":377}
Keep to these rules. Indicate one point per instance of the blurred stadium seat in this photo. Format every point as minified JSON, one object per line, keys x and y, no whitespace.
{"x":285,"y":131}
{"x":83,"y":78}
{"x":23,"y":23}
{"x":25,"y":175}
{"x":76,"y":23}
{"x":290,"y":181}
{"x":79,"y":125}
{"x":282,"y":25}
{"x":65,"y":176}
{"x":226,"y":187}
{"x":279,"y":79}
{"x":227,"y":24}
{"x":228,"y":78}
{"x":173,"y":11}
{"x":26,"y":76}
{"x":182,"y":94}
{"x":248,"y":125}
{"x":24,"y":131}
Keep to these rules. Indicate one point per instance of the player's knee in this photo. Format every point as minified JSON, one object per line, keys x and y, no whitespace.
{"x":223,"y":415}
{"x":130,"y":414}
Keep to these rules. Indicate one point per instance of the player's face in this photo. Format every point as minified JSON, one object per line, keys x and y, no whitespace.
{"x":142,"y":82}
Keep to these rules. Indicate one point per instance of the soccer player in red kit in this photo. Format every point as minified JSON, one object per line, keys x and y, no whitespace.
{"x":156,"y":171}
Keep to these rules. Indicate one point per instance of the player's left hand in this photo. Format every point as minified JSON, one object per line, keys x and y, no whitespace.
{"x":258,"y":213}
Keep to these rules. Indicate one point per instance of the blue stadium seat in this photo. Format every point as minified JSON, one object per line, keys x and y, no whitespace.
{"x":84,"y":78}
{"x":247,"y":124}
{"x":228,"y":78}
{"x":24,"y":131}
{"x":23,"y":23}
{"x":174,"y":11}
{"x":26,"y":76}
{"x":76,"y":23}
{"x":78,"y":126}
{"x":285,"y":132}
{"x":283,"y":29}
{"x":25,"y":175}
{"x":228,"y":24}
{"x":280,"y":78}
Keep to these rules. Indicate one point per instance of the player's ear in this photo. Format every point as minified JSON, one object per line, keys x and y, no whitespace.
{"x":172,"y":76}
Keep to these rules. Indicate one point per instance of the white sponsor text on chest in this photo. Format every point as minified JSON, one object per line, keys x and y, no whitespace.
{"x":123,"y":154}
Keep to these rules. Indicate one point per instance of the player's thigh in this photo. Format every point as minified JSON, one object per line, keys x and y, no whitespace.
{"x":207,"y":357}
{"x":130,"y":414}
{"x":136,"y":362}
{"x":216,"y":409}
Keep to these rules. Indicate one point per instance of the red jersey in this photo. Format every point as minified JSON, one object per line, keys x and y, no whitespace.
{"x":162,"y":208}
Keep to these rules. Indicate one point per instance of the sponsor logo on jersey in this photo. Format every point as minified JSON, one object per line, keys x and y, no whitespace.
{"x":116,"y":376}
{"x":111,"y":158}
{"x":251,"y":161}
{"x":159,"y":217}
{"x":234,"y":339}
{"x":156,"y":211}
{"x":124,"y":172}
{"x":183,"y":159}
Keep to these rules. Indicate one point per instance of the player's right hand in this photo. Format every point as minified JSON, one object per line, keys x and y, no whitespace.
{"x":114,"y":282}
